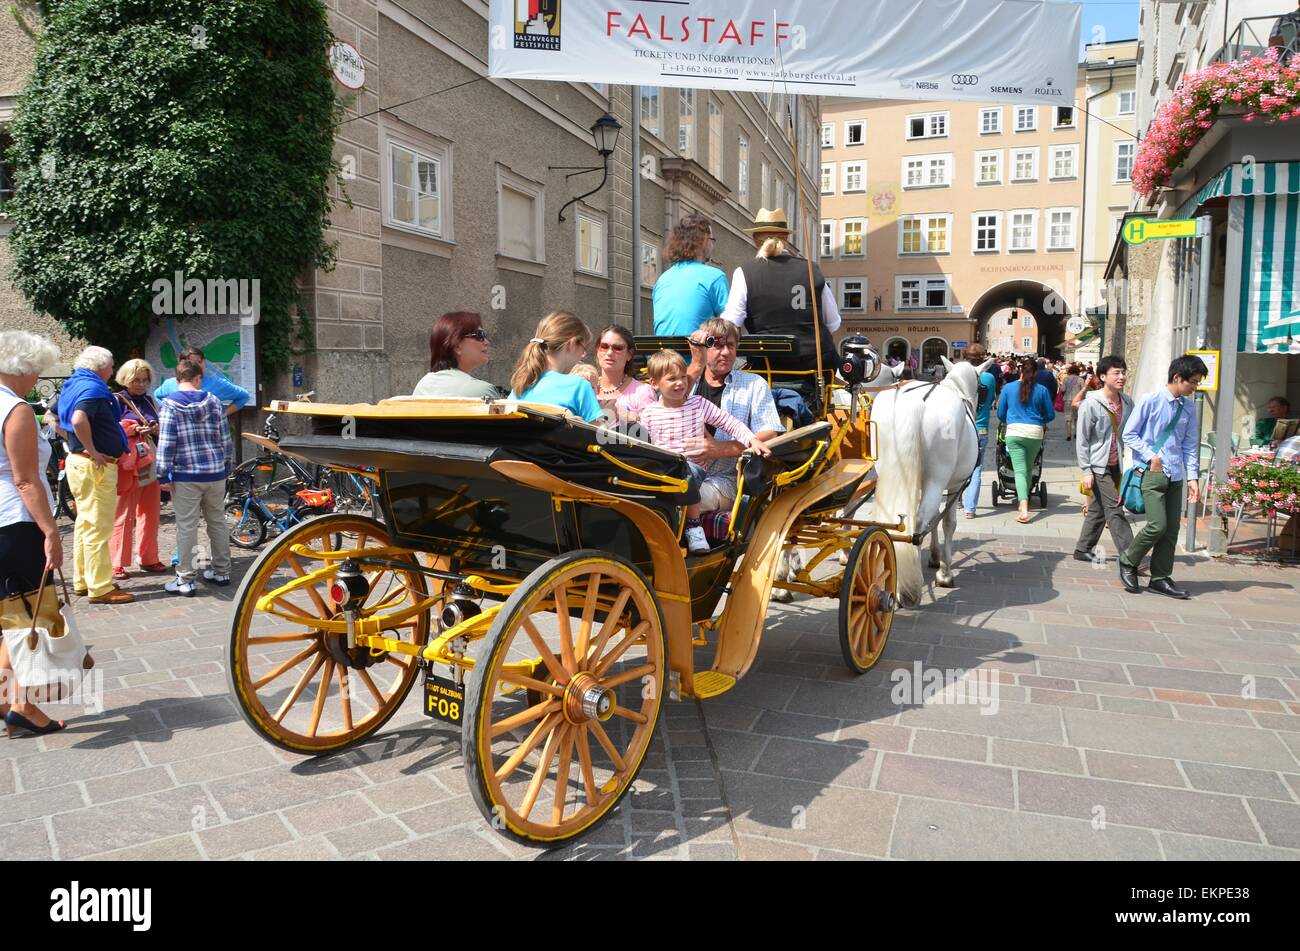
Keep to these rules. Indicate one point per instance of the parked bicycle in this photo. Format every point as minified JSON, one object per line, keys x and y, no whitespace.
{"x":250,"y":516}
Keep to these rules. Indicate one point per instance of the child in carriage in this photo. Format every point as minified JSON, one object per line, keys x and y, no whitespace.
{"x":678,"y":416}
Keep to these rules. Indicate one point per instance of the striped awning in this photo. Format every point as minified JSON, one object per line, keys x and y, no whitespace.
{"x":1268,"y":315}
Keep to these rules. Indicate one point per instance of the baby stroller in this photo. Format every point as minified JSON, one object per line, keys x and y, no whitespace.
{"x":1005,"y":483}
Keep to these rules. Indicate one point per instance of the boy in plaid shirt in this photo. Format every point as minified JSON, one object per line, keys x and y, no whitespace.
{"x":194,"y":455}
{"x":677,"y":417}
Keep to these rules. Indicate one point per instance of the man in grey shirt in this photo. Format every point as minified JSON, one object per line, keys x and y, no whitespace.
{"x":1099,"y":447}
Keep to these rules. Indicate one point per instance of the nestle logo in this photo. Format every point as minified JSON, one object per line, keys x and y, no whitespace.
{"x":920,"y":85}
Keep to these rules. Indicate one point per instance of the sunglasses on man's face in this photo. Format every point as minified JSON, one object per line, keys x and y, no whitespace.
{"x":714,"y":343}
{"x":478,"y":335}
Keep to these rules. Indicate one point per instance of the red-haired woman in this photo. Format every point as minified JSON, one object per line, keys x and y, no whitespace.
{"x":457,"y":347}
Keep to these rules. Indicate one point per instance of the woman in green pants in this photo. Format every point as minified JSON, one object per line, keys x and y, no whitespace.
{"x":1025,"y":408}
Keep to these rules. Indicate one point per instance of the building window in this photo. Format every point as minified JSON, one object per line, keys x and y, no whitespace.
{"x":1026,"y":118}
{"x":927,"y":171}
{"x":855,"y":132}
{"x":988,"y":226}
{"x":686,"y":122}
{"x":742,"y":174}
{"x":853,"y":294}
{"x":928,"y":125}
{"x":715,"y":140}
{"x":520,"y":216}
{"x":1064,"y":160}
{"x":854,"y":243}
{"x":924,"y":234}
{"x":650,"y":108}
{"x":649,"y":263}
{"x":1063,"y":117}
{"x":780,"y":193}
{"x":855,"y":176}
{"x":828,"y":135}
{"x":828,"y":178}
{"x":415,"y":190}
{"x":1024,"y":230}
{"x":1024,"y":165}
{"x":828,"y":239}
{"x":909,"y":293}
{"x":1127,"y":102}
{"x":1060,"y":233}
{"x":925,"y":291}
{"x":1026,"y":343}
{"x":601,"y":88}
{"x":1124,"y":152}
{"x":766,"y":175}
{"x":988,"y":168}
{"x":591,"y":243}
{"x":990,"y":121}
{"x":1027,"y":321}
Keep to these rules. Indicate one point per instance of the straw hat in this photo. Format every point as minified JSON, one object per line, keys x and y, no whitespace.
{"x":770,"y":222}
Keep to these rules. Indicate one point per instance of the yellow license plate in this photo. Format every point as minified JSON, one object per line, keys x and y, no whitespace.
{"x":443,"y":700}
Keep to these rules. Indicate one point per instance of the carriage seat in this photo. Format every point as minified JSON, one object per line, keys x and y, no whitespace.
{"x":789,"y":451}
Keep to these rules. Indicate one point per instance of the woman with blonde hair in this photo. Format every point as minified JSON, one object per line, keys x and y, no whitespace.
{"x":542,"y":373}
{"x":139,"y":494}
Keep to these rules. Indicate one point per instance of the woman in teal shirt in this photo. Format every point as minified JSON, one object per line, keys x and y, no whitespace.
{"x":542,"y":373}
{"x":1025,"y":407}
{"x":689,"y":292}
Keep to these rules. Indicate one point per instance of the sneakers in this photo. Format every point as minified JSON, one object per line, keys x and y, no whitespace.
{"x":696,"y":543}
{"x":183,"y":588}
{"x":218,"y":579}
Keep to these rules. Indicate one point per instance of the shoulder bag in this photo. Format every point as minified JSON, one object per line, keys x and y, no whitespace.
{"x":46,"y":650}
{"x":1130,"y":490}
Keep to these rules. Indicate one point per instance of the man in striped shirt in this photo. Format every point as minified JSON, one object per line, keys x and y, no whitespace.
{"x":678,"y":417}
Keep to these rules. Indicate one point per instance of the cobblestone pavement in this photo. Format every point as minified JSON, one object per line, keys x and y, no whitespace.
{"x":1121,"y":731}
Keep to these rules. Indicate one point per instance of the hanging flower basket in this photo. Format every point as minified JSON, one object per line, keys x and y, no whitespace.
{"x":1260,"y":88}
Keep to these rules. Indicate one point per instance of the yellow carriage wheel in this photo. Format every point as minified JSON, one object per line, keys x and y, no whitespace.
{"x":868,"y":597}
{"x":298,"y":685}
{"x":549,"y":761}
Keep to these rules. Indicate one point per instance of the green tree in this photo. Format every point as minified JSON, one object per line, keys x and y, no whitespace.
{"x":157,"y":136}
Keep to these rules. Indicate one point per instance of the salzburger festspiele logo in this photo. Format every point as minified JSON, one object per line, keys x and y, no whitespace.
{"x":537,"y":24}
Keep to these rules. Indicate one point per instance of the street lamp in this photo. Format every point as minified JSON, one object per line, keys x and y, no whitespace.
{"x":604,"y":134}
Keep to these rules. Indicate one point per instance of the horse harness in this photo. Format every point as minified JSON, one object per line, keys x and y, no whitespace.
{"x":954,"y":497}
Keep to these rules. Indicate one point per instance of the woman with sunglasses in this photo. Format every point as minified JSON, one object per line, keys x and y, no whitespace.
{"x":619,"y":393}
{"x":458,"y":346}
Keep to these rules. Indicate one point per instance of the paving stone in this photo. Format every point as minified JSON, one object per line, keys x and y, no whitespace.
{"x":457,"y":845}
{"x":713,"y":852}
{"x":176,"y":848}
{"x":1137,"y":805}
{"x":217,"y":765}
{"x":927,"y":829}
{"x":1133,"y":769}
{"x":1272,"y":721}
{"x":1280,"y":822}
{"x":1044,"y":756}
{"x":1201,"y":742}
{"x":250,"y":835}
{"x":736,"y":750}
{"x":27,"y":842}
{"x":1014,"y":721}
{"x":458,"y":810}
{"x":758,"y":849}
{"x":950,"y":745}
{"x":314,"y":849}
{"x":1137,"y":708}
{"x":42,"y":802}
{"x":87,"y":761}
{"x":1199,"y":848}
{"x":818,"y":762}
{"x":1200,"y":714}
{"x":945,"y":779}
{"x":1256,"y":783}
{"x":1205,"y":681}
{"x":829,"y":816}
{"x":327,"y":815}
{"x":875,"y":736}
{"x":128,"y":822}
{"x":798,"y":726}
{"x":367,"y":836}
{"x":266,"y":790}
{"x":1082,"y":670}
{"x":126,"y":785}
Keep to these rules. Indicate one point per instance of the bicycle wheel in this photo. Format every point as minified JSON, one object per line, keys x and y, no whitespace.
{"x":247,"y":530}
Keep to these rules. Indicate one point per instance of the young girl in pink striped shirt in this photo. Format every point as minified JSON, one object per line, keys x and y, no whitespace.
{"x":677,"y":417}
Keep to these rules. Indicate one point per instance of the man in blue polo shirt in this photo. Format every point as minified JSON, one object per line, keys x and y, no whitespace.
{"x":234,"y":397}
{"x":1162,"y":433}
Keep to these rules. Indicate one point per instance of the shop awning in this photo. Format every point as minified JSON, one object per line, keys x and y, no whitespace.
{"x":1269,"y":315}
{"x":1259,"y":178}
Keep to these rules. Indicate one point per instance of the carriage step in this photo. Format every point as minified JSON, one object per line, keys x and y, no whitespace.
{"x":710,"y":683}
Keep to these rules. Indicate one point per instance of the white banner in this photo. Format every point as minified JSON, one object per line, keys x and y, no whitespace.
{"x":1014,"y":51}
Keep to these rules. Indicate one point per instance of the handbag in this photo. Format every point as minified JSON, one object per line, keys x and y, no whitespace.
{"x":1058,"y":403}
{"x":46,"y":650}
{"x":1130,"y":490}
{"x":141,"y":454}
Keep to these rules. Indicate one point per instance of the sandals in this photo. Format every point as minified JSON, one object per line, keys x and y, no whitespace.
{"x":119,"y":574}
{"x":1022,"y":519}
{"x":156,"y":568}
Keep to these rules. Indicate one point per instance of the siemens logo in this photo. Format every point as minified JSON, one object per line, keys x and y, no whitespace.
{"x":1017,"y":90}
{"x":965,"y":79}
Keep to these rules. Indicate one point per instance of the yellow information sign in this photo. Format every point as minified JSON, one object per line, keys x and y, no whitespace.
{"x":1211,"y":360}
{"x":1138,"y":230}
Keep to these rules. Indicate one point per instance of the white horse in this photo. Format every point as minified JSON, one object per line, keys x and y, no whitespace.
{"x":927,"y":452}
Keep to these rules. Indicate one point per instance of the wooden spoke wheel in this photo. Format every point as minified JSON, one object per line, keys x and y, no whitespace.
{"x":299,"y":686}
{"x":868,"y":597}
{"x":549,"y":761}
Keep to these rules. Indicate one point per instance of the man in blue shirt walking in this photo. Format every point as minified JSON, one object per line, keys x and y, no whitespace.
{"x":976,"y":354}
{"x":234,"y":397}
{"x":1162,"y":434}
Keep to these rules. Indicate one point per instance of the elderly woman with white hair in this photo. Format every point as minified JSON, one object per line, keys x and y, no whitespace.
{"x":91,"y":417}
{"x":29,"y":536}
{"x":139,"y":495}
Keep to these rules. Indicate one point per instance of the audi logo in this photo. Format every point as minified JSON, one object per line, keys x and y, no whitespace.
{"x":965,"y":79}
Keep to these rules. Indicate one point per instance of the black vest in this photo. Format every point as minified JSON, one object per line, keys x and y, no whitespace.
{"x":770,"y":298}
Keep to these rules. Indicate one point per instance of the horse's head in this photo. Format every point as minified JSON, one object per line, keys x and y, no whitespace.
{"x":889,"y":374}
{"x":964,"y":377}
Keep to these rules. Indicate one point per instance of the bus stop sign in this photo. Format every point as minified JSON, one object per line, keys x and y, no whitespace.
{"x":1139,"y":230}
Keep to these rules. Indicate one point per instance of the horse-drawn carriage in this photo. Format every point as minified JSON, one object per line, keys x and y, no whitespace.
{"x":528,"y":566}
